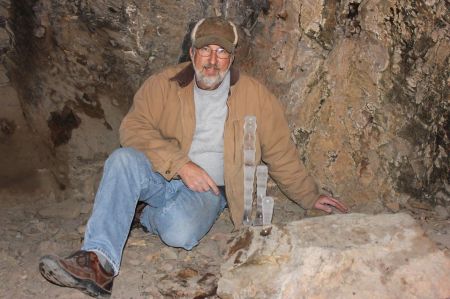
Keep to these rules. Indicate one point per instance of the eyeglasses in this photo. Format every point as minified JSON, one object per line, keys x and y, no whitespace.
{"x":220,"y":52}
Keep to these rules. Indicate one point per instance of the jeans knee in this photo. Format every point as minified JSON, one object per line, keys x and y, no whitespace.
{"x":179,"y":238}
{"x":123,"y":157}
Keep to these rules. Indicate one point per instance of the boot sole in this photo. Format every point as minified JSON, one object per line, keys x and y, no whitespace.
{"x":55,"y":273}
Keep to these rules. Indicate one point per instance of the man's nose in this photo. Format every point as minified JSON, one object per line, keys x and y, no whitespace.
{"x":213,"y":57}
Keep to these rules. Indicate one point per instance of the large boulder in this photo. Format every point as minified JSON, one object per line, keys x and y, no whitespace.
{"x":336,"y":256}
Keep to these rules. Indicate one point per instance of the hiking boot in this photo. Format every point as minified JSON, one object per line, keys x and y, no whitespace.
{"x":82,"y":270}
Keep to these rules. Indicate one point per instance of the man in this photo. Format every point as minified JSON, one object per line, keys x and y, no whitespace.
{"x":183,"y":140}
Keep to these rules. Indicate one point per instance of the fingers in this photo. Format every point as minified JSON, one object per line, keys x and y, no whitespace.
{"x":197,"y":179}
{"x":206,"y":183}
{"x":325,"y":203}
{"x":213,"y":186}
{"x":337,"y":204}
{"x":325,"y":208}
{"x":198,"y":185}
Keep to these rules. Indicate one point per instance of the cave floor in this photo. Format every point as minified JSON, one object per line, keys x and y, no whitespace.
{"x":31,"y":227}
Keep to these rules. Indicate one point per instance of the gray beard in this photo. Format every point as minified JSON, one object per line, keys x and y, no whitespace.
{"x":208,"y":81}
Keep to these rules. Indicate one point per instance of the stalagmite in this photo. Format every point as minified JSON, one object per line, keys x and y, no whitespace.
{"x":261,"y":189}
{"x":249,"y":166}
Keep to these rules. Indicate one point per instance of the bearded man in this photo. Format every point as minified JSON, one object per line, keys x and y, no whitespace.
{"x":182,"y":156}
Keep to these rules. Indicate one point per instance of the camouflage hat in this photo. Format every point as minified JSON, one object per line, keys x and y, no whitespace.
{"x":215,"y":31}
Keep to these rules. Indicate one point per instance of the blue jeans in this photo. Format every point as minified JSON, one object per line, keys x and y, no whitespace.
{"x":180,"y":216}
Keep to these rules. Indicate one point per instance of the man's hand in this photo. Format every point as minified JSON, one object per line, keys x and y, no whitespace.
{"x":325,"y":203}
{"x":196,"y":178}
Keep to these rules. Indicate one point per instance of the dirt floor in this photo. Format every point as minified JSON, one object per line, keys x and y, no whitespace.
{"x":37,"y":225}
{"x":40,"y":224}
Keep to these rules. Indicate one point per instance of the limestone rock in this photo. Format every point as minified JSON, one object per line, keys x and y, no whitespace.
{"x":336,"y":256}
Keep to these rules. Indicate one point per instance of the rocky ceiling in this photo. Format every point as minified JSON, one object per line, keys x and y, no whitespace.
{"x":365,"y":85}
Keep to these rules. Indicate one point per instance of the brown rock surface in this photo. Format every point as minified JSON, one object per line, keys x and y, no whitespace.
{"x":365,"y":85}
{"x":338,"y":256}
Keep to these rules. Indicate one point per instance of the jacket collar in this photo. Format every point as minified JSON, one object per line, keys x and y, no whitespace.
{"x":186,"y":75}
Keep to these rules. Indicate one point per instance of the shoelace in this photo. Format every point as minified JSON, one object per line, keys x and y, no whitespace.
{"x":83,"y":259}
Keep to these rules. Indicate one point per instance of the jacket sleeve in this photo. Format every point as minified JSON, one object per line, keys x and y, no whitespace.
{"x":139,"y":130}
{"x":280,"y":154}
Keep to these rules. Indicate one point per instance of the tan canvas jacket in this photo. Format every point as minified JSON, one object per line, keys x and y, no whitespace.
{"x":161,"y":123}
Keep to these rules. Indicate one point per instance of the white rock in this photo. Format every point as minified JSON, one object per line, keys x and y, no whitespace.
{"x":81,"y":229}
{"x":337,"y":256}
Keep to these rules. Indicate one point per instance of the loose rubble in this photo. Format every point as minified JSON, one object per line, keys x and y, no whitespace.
{"x":149,"y":268}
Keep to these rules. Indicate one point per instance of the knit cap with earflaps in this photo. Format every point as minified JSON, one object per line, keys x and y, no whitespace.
{"x":215,"y":31}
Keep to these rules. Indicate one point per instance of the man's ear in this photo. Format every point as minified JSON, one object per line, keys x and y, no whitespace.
{"x":191,"y":53}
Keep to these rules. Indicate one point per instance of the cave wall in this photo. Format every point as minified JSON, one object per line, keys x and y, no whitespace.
{"x":365,"y":83}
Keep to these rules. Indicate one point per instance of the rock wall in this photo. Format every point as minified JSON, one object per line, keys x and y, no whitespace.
{"x":365,"y":83}
{"x":23,"y":161}
{"x":366,"y":87}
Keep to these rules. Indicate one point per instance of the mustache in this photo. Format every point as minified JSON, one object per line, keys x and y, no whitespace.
{"x":210,"y":65}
